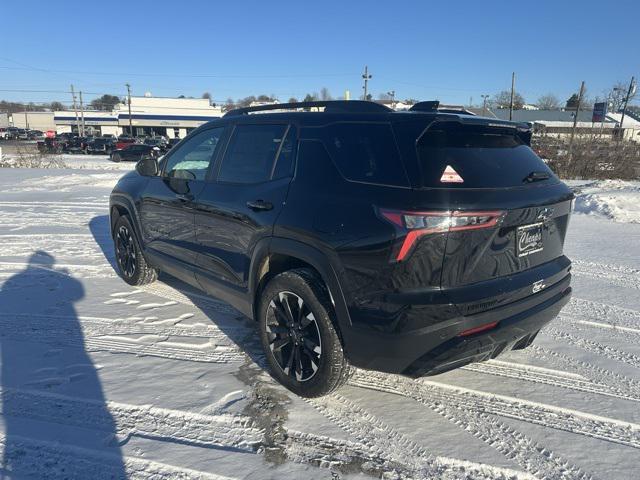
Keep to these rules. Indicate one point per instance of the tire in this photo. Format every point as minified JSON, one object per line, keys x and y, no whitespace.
{"x":132,"y":266}
{"x":116,"y":157}
{"x":303,"y":349}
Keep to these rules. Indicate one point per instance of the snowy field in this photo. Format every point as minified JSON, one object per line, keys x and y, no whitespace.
{"x":101,"y":380}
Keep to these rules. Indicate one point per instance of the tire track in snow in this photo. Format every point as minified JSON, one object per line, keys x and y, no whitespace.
{"x":59,"y":247}
{"x":442,"y":396}
{"x":616,"y":274}
{"x":69,"y":269}
{"x":602,"y":312}
{"x":624,"y":387}
{"x":208,"y":431}
{"x":58,"y":325}
{"x":532,"y":457}
{"x":559,"y":418}
{"x":547,"y":377}
{"x":594,"y":347}
{"x":398,"y":451}
{"x":163,"y":347}
{"x":53,"y":460}
{"x":194,"y":299}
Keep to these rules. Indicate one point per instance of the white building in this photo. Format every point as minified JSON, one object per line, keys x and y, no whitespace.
{"x":170,"y":117}
{"x":33,"y":120}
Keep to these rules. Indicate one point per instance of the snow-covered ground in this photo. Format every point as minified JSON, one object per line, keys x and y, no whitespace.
{"x":101,"y":380}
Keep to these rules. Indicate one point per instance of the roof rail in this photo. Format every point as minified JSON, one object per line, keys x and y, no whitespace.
{"x":330,"y":106}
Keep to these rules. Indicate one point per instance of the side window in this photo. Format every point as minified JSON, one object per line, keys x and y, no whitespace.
{"x":284,"y":163}
{"x":251,"y":152}
{"x":192,"y":159}
{"x":366,"y":152}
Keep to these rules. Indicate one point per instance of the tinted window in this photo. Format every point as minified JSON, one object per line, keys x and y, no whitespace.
{"x":484,"y":157}
{"x":366,"y":152}
{"x":191,"y":160}
{"x":251,"y":153}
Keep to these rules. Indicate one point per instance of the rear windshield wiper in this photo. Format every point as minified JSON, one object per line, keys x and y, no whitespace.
{"x":536,"y":176}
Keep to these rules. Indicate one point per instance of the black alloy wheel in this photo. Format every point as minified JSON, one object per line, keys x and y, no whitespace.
{"x":125,"y":251}
{"x":294,"y":336}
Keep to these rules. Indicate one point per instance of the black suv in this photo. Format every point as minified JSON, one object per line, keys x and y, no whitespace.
{"x":409,"y":242}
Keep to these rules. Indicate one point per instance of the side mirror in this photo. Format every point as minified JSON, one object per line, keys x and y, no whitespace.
{"x":148,"y":167}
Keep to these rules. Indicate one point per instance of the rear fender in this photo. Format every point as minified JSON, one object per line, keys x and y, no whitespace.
{"x":307,"y":254}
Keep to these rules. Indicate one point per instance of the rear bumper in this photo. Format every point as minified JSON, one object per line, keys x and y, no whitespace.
{"x":438,"y":347}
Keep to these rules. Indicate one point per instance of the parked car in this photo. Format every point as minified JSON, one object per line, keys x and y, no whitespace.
{"x":22,"y":134}
{"x":102,"y":145}
{"x":123,"y":142}
{"x":50,"y":145}
{"x":407,"y":242}
{"x":71,"y":144}
{"x":160,"y":142}
{"x":134,"y":152}
{"x":35,"y":134}
{"x":11,"y":133}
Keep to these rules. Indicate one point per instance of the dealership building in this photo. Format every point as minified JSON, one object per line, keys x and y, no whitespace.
{"x":170,"y":117}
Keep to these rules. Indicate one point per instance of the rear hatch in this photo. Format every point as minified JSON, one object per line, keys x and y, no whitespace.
{"x":504,"y":211}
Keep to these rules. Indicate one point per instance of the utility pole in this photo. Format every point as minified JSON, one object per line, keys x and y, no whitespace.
{"x":513,"y":91}
{"x":484,"y":104}
{"x":75,"y":108}
{"x":624,"y":108}
{"x":129,"y":103}
{"x":26,"y":117}
{"x":366,"y":77}
{"x":82,"y":115}
{"x":575,"y":118}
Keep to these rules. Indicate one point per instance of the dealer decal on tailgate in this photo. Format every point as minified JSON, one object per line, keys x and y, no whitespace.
{"x":529,"y":239}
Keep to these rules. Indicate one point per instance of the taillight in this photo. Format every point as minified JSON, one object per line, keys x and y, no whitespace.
{"x":418,"y":224}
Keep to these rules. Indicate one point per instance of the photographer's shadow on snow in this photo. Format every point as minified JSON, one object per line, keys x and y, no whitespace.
{"x":55,"y":419}
{"x":238,"y":328}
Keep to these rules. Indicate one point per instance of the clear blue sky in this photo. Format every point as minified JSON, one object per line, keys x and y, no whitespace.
{"x":445,"y":50}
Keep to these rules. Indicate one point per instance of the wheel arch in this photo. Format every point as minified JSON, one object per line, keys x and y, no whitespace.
{"x":123,"y":205}
{"x":277,"y":255}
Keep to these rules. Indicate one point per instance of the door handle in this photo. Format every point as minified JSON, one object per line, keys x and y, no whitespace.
{"x":259,"y":205}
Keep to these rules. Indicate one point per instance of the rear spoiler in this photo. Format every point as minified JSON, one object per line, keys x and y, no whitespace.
{"x":434,"y":106}
{"x":522,"y":130}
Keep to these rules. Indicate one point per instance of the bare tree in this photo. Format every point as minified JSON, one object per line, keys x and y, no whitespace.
{"x":503,"y":100}
{"x":229,"y":104}
{"x":57,"y":106}
{"x":324,"y":94}
{"x":206,"y":95}
{"x":548,"y":102}
{"x":293,"y":100}
{"x":384,"y":96}
{"x":105,"y":102}
{"x":617,"y":95}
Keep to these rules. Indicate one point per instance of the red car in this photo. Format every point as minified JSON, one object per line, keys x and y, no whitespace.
{"x":124,"y":143}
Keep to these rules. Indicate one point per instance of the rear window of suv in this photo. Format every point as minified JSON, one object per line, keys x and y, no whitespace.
{"x":366,"y":152}
{"x":482,"y":157}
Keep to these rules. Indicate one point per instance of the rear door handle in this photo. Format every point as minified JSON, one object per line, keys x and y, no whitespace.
{"x":259,"y":205}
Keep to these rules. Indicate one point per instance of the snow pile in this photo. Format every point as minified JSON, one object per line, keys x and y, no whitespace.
{"x":618,"y":200}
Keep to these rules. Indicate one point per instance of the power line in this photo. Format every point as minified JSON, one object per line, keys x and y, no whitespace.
{"x":180,"y":75}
